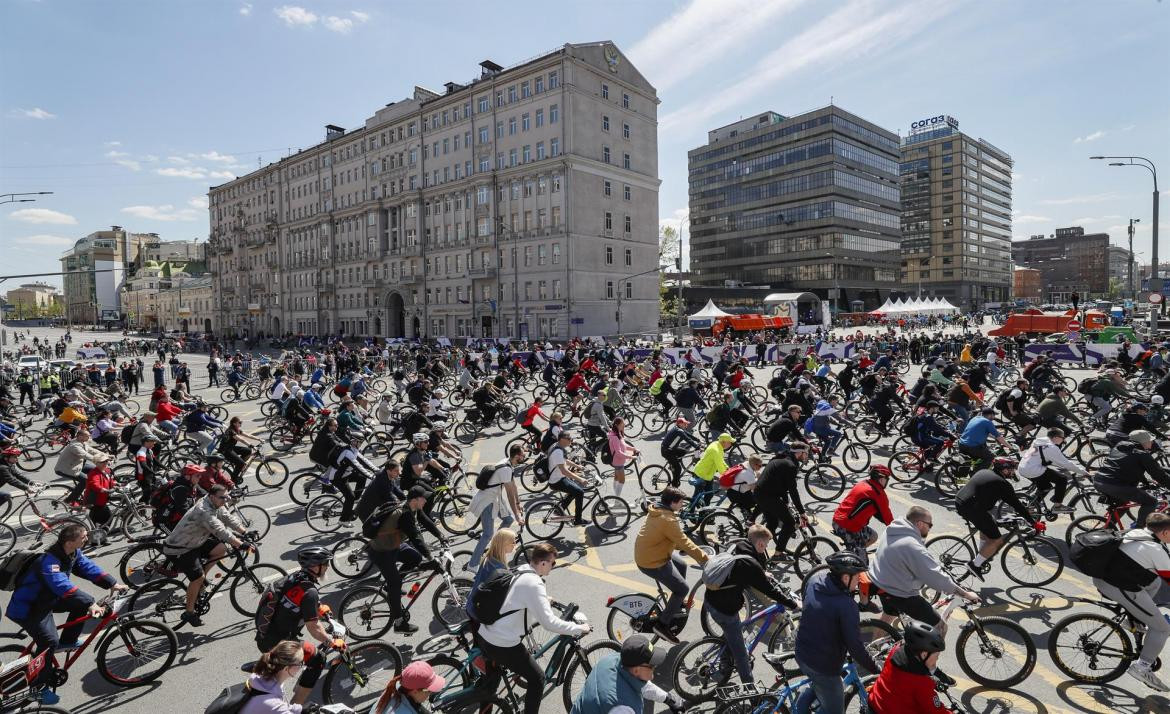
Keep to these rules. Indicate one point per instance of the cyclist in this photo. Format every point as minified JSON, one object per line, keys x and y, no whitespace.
{"x":676,"y":444}
{"x":864,"y":501}
{"x":46,"y":589}
{"x":662,"y":390}
{"x":10,"y":473}
{"x":77,"y":458}
{"x":927,"y":434}
{"x":502,"y":640}
{"x":233,"y":448}
{"x":276,"y":667}
{"x":620,"y":681}
{"x":530,"y":416}
{"x":724,"y":602}
{"x":906,"y":684}
{"x":788,"y":426}
{"x":1135,"y":575}
{"x":654,"y":554}
{"x":384,"y":488}
{"x":823,"y":418}
{"x":1122,"y":475}
{"x":399,"y":542}
{"x":829,"y":627}
{"x":973,"y":442}
{"x":1054,"y":412}
{"x":1037,"y":465}
{"x":689,"y":400}
{"x":353,"y":468}
{"x":1134,"y":418}
{"x":498,"y":499}
{"x":776,"y":491}
{"x":408,"y":693}
{"x":198,"y":540}
{"x":884,"y":397}
{"x":290,"y":603}
{"x":713,"y":461}
{"x":1108,"y":386}
{"x":976,"y":500}
{"x":147,"y":468}
{"x":623,"y":452}
{"x":201,"y":427}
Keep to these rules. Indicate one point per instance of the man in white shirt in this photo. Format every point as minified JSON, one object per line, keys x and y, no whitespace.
{"x":499,"y":499}
{"x":565,"y":476}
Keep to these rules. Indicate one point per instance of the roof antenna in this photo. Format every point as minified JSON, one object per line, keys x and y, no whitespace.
{"x":830,"y":100}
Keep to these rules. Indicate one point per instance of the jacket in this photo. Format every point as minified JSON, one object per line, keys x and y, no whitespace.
{"x":746,"y":573}
{"x":167,"y":411}
{"x":10,"y":474}
{"x":203,"y":521}
{"x":381,"y":489}
{"x":526,"y":598}
{"x":661,"y":535}
{"x":271,"y":701}
{"x":678,"y":442}
{"x":902,"y":564}
{"x":829,"y":627}
{"x":609,"y":685}
{"x":864,"y":501}
{"x":143,"y":430}
{"x":72,"y":458}
{"x":47,"y":583}
{"x":323,"y":445}
{"x":905,"y":686}
{"x":712,"y":462}
{"x":1127,"y":463}
{"x":1042,"y":454}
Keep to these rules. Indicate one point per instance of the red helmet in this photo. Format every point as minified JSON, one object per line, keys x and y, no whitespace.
{"x":880,"y":471}
{"x":12,"y":451}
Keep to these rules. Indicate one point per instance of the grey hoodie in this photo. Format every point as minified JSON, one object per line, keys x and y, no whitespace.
{"x":903,"y":565}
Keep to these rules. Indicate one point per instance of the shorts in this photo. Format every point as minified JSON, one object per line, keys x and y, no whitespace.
{"x":856,"y":542}
{"x":981,"y":520}
{"x":915,"y":607}
{"x":190,"y":563}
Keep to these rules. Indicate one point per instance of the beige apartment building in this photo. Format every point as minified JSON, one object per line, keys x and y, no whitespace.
{"x":32,"y":299}
{"x":96,"y":268}
{"x":523,"y":203}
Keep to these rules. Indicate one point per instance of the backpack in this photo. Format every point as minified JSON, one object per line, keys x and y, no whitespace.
{"x":488,"y":598}
{"x":127,"y":433}
{"x":16,"y":565}
{"x":1085,"y":387}
{"x":718,"y":567}
{"x":485,"y":475}
{"x":270,"y":600}
{"x":373,"y":522}
{"x":1097,"y":553}
{"x":1031,"y":459}
{"x":808,"y":425}
{"x":606,"y":453}
{"x":910,"y":428}
{"x":541,"y":470}
{"x":727,"y":478}
{"x":231,"y":700}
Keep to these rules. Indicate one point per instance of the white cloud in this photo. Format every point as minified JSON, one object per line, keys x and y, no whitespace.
{"x":123,"y":159}
{"x":43,"y":239}
{"x":246,"y":9}
{"x":341,"y":25}
{"x":198,"y":202}
{"x":1089,"y":137}
{"x":218,"y":157}
{"x":190,"y":172}
{"x":702,"y":32}
{"x":1089,"y":198}
{"x":178,"y":160}
{"x":221,"y":175}
{"x":34,"y":113}
{"x":112,"y":143}
{"x":295,"y":16}
{"x":1025,"y":219}
{"x":43,"y":215}
{"x":851,"y":33}
{"x":166,"y":213}
{"x":359,"y":15}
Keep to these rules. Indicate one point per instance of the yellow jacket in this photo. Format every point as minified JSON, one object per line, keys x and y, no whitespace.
{"x":712,"y":462}
{"x":69,"y":415}
{"x":661,"y":535}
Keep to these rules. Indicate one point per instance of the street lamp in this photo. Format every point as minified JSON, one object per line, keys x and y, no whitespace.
{"x":1149,"y":166}
{"x":1132,"y":286}
{"x":12,"y":197}
{"x":620,"y":284}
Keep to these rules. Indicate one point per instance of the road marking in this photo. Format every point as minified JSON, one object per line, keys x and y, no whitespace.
{"x":622,"y":568}
{"x":280,"y":506}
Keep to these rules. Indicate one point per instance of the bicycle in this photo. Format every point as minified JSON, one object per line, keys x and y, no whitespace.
{"x":637,"y":613}
{"x":368,"y":607}
{"x":1093,"y":648}
{"x":545,"y":519}
{"x":1115,"y":510}
{"x":1027,"y":557}
{"x":782,"y":698}
{"x":358,"y":674}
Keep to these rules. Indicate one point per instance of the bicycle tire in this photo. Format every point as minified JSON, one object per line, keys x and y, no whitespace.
{"x":1027,"y":555}
{"x":719,"y":528}
{"x":281,"y":439}
{"x":1062,"y":653}
{"x":947,"y":480}
{"x":377,"y":663}
{"x":855,"y":457}
{"x":538,"y":519}
{"x":305,"y":487}
{"x":583,"y":662}
{"x":448,"y":609}
{"x":455,"y":514}
{"x":270,"y":472}
{"x":254,"y":518}
{"x":323,"y":514}
{"x":996,"y":649}
{"x":137,"y":649}
{"x":952,"y":553}
{"x":906,"y":466}
{"x":1082,"y":525}
{"x":31,"y":459}
{"x":866,"y":432}
{"x":351,"y":558}
{"x":824,"y":483}
{"x":7,"y":539}
{"x":783,"y":642}
{"x":611,"y":514}
{"x":247,"y":588}
{"x":137,"y":521}
{"x":712,"y":668}
{"x":763,"y":704}
{"x":136,"y":569}
{"x":653,"y":479}
{"x":163,"y":599}
{"x":365,"y":612}
{"x":811,"y":553}
{"x":465,"y":433}
{"x":878,"y":637}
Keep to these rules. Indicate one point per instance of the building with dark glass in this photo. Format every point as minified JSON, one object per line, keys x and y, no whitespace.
{"x":807,"y":203}
{"x":956,"y":216}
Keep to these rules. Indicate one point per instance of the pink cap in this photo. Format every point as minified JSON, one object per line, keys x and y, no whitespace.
{"x":420,"y":675}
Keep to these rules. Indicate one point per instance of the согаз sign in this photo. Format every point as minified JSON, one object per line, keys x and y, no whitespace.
{"x":934,"y":121}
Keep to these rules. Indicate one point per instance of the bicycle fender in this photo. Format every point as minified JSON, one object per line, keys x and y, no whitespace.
{"x":633,"y":604}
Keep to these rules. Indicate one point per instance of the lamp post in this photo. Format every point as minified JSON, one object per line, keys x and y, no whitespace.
{"x":1132,"y":287}
{"x":1145,"y":163}
{"x":12,"y":197}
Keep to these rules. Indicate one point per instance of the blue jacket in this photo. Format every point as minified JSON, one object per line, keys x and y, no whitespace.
{"x":977,"y":431}
{"x":609,"y":685}
{"x":829,"y":626}
{"x":47,"y":583}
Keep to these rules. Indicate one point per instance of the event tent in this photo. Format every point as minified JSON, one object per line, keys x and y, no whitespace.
{"x":703,"y":319}
{"x":916,"y":306}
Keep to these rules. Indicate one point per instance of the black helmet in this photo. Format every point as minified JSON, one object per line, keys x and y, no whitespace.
{"x":314,"y":555}
{"x":845,"y":562}
{"x":921,"y":637}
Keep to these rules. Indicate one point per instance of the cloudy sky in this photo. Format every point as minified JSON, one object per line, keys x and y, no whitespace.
{"x":128,"y":111}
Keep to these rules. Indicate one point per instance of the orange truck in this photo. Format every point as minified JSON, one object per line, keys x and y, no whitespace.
{"x":1035,"y":322}
{"x":749,"y":323}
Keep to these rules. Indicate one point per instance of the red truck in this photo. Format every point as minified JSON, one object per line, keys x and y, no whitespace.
{"x":749,"y":323}
{"x":1035,"y":322}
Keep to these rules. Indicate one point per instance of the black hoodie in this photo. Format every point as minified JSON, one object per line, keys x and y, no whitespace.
{"x":728,"y":598}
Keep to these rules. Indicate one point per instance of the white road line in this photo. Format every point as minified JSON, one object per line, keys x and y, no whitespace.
{"x":279,"y":506}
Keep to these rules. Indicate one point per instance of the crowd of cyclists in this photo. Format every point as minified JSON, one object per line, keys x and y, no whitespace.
{"x":725,"y":462}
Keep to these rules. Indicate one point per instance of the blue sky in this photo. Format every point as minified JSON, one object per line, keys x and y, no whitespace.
{"x":128,"y":111}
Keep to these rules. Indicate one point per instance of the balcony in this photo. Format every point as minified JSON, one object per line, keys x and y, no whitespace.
{"x":482,"y":272}
{"x":411,"y":279}
{"x":407,"y":250}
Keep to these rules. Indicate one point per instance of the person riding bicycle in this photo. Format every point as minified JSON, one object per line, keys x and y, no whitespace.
{"x":1045,"y":465}
{"x":199,"y":539}
{"x":976,"y":502}
{"x":1012,"y":404}
{"x":676,"y":445}
{"x":398,"y":542}
{"x":973,"y":442}
{"x":864,"y":501}
{"x":201,"y":426}
{"x":777,"y":495}
{"x":46,"y":589}
{"x":659,"y":538}
{"x":147,"y":468}
{"x":10,"y":473}
{"x":689,"y":400}
{"x":213,"y":474}
{"x":906,"y":684}
{"x":172,"y":500}
{"x":884,"y":397}
{"x":788,"y":426}
{"x":1054,"y":412}
{"x":348,"y":420}
{"x":530,"y":415}
{"x":1108,"y":386}
{"x":1123,"y":474}
{"x":712,"y":463}
{"x":830,"y":627}
{"x":293,"y":602}
{"x":621,"y":681}
{"x":824,"y":417}
{"x":927,"y":434}
{"x":1137,"y":571}
{"x":1134,"y":418}
{"x":77,"y":458}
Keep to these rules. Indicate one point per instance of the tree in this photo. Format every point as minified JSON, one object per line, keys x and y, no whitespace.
{"x":1114,"y":288}
{"x":668,"y":258}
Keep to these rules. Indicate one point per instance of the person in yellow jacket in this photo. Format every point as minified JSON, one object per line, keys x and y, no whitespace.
{"x":654,"y":553}
{"x":72,"y":414}
{"x":965,"y":355}
{"x":713,"y":463}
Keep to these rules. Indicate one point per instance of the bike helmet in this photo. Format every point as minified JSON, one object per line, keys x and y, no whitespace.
{"x":12,"y":451}
{"x":921,"y":637}
{"x":1001,"y":463}
{"x":1157,"y":400}
{"x":880,"y":470}
{"x":845,"y":562}
{"x":420,"y":436}
{"x":214,"y":457}
{"x":314,"y":555}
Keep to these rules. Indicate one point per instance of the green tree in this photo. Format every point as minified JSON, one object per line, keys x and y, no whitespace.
{"x":1114,"y":288}
{"x":668,"y":259}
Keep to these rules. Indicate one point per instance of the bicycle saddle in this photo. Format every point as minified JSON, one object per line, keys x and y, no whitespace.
{"x":1111,"y":501}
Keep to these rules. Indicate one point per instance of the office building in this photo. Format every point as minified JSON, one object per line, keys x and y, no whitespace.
{"x":807,"y":203}
{"x":956,"y":215}
{"x":1027,"y":285}
{"x":1122,"y":272}
{"x":1069,"y":260}
{"x":523,"y":203}
{"x":95,"y":269}
{"x":32,"y":300}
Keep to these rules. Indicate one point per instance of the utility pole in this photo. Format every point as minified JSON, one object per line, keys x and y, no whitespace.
{"x":1132,"y":286}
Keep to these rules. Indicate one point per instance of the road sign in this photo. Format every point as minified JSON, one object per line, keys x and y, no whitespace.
{"x":1155,"y":298}
{"x":578,"y":321}
{"x":1074,"y":326}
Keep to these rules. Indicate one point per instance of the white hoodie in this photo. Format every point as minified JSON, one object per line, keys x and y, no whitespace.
{"x":1033,"y":466}
{"x":526,"y":595}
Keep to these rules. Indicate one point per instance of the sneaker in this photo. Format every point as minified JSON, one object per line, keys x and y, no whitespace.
{"x":1142,"y":672}
{"x":48,"y":697}
{"x":1059,"y":508}
{"x":944,"y":677}
{"x":67,"y":646}
{"x":191,"y":619}
{"x":665,"y":632}
{"x":403,"y":625}
{"x":580,"y":522}
{"x":975,"y":570}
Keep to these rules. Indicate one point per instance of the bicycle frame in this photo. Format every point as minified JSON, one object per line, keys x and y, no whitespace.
{"x":112,"y":613}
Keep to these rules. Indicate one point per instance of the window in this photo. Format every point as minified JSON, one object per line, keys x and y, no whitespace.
{"x":525,"y":122}
{"x":539,"y":150}
{"x":554,"y":146}
{"x":483,"y":135}
{"x":511,"y":157}
{"x":499,"y":130}
{"x":604,"y":123}
{"x":606,"y":188}
{"x":608,"y":255}
{"x":541,"y":253}
{"x":556,"y":253}
{"x":556,"y":287}
{"x":525,"y":90}
{"x":483,"y":227}
{"x":483,"y":105}
{"x":605,"y":154}
{"x":542,"y":290}
{"x":553,"y":80}
{"x":628,"y":224}
{"x":608,"y":221}
{"x":527,"y":256}
{"x":629,"y":290}
{"x":609,"y":290}
{"x":527,"y":153}
{"x":528,"y":290}
{"x":539,"y":84}
{"x":539,"y":118}
{"x":626,"y":191}
{"x":625,"y":161}
{"x":511,"y":125}
{"x":484,"y":165}
{"x":629,"y":258}
{"x":625,"y":131}
{"x":554,"y":113}
{"x":482,"y":195}
{"x":511,"y":94}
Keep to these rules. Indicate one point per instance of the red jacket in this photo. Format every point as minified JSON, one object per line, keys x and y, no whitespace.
{"x":218,"y":477}
{"x":167,"y":411}
{"x":98,"y":484}
{"x":864,"y":501}
{"x":898,"y":691}
{"x":576,"y":382}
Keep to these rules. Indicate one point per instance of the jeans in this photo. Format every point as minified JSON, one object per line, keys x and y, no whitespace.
{"x":962,"y":412}
{"x":517,"y":660}
{"x":169,"y":427}
{"x":206,"y":439}
{"x":44,"y":631}
{"x":733,"y":636}
{"x":831,"y":438}
{"x":1103,"y":406}
{"x":828,"y":689}
{"x":488,"y":520}
{"x":387,"y":562}
{"x":573,"y":492}
{"x":672,"y":574}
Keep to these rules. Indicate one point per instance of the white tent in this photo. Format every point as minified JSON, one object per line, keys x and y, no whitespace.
{"x":705,"y":318}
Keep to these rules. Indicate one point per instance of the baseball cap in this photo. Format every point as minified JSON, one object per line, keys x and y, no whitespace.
{"x":420,"y":675}
{"x":1142,"y":437}
{"x":417,"y":492}
{"x":638,"y":650}
{"x":726,"y":437}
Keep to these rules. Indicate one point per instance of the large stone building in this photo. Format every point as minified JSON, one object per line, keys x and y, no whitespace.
{"x":95,"y":269}
{"x":1069,"y":260}
{"x":956,"y":215}
{"x":803,"y":203}
{"x":1122,"y":270}
{"x":522,"y":203}
{"x":1028,"y":284}
{"x":186,"y":305}
{"x":32,"y":299}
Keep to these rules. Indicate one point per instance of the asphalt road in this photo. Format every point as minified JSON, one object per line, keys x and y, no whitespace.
{"x":591,"y":568}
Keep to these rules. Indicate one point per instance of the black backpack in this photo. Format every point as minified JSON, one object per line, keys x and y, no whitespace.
{"x":374,"y":521}
{"x":16,"y":565}
{"x":232,"y":699}
{"x":1085,"y":387}
{"x":910,"y":428}
{"x":127,"y":433}
{"x":485,"y":476}
{"x":607,"y":453}
{"x":488,"y":598}
{"x":1097,"y":553}
{"x":540,"y":469}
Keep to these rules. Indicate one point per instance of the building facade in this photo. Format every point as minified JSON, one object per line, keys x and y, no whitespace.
{"x":32,"y":299}
{"x":521,"y":204}
{"x":96,"y":268}
{"x":956,"y":215}
{"x":1027,"y":284}
{"x":1069,"y":260}
{"x":186,"y":304}
{"x":1122,"y":272}
{"x":804,"y":203}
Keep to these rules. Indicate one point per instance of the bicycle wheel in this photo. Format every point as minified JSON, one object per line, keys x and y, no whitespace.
{"x":783,"y":642}
{"x":867,"y":432}
{"x":1090,"y":648}
{"x":466,"y":433}
{"x":701,"y":667}
{"x":282,"y":439}
{"x":947,"y":480}
{"x":455,"y":514}
{"x":227,"y":396}
{"x":529,"y":480}
{"x":545,"y":519}
{"x":323,"y":514}
{"x":856,"y":457}
{"x":305,"y":487}
{"x":271,"y":472}
{"x":30,"y":459}
{"x":879,"y":638}
{"x":164,"y":599}
{"x":141,"y":564}
{"x":249,"y":586}
{"x":449,"y":604}
{"x":996,"y":652}
{"x":653,"y":479}
{"x":611,"y":514}
{"x":952,"y":553}
{"x":906,"y":466}
{"x":811,"y":553}
{"x":254,"y":518}
{"x":634,"y":426}
{"x":1032,"y":560}
{"x":136,"y":652}
{"x":1082,"y":525}
{"x":351,"y":558}
{"x":361,"y":675}
{"x":718,"y":528}
{"x":365,"y":612}
{"x":824,"y":483}
{"x":581,"y":663}
{"x":7,"y":539}
{"x":137,"y":521}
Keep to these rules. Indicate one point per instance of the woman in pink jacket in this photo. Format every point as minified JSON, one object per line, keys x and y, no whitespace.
{"x":623,"y":453}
